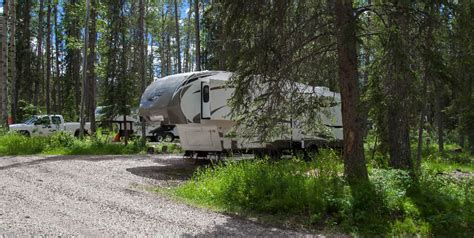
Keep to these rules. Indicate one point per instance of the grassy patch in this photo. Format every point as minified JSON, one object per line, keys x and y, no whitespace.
{"x":314,"y":195}
{"x":63,"y":143}
{"x":168,"y":148}
{"x":15,"y":144}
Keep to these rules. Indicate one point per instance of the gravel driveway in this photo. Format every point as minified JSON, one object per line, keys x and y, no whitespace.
{"x":107,"y":195}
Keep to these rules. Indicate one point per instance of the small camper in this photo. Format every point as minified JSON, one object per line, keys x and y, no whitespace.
{"x":196,"y":103}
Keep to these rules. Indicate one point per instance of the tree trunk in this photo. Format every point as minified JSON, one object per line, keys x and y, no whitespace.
{"x":178,"y":39}
{"x":85,"y":68}
{"x":187,"y":55}
{"x":58,"y":69}
{"x":12,"y":54}
{"x":354,"y":162}
{"x":440,"y":116}
{"x":23,"y":57}
{"x":420,"y":126}
{"x":40,"y":68}
{"x":4,"y":67}
{"x":198,"y":35}
{"x":169,"y":63}
{"x":397,"y":87}
{"x":48,"y":59}
{"x":91,"y":81}
{"x":142,"y":48}
{"x":151,"y":59}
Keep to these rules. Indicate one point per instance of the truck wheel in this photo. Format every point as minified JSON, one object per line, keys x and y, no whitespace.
{"x":158,"y":137}
{"x":168,"y":137}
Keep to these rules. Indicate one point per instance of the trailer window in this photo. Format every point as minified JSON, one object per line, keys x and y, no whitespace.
{"x":205,"y":94}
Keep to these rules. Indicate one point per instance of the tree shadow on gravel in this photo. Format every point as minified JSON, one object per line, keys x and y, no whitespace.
{"x":236,"y":226}
{"x":181,"y":169}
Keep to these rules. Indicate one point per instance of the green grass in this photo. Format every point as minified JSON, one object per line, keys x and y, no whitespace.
{"x":168,"y":148}
{"x":63,"y":143}
{"x":15,"y":144}
{"x":315,"y":195}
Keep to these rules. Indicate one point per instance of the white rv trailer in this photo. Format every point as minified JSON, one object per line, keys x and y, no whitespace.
{"x":197,"y":104}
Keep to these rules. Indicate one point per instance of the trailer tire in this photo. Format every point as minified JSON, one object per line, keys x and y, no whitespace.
{"x":274,"y":154}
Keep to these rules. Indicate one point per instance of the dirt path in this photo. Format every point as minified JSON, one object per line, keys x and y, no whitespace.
{"x":106,"y":195}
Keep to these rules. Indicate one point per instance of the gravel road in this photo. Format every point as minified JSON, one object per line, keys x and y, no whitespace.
{"x":107,"y":195}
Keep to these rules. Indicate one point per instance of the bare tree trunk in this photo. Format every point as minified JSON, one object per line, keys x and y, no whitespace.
{"x":48,"y":59}
{"x":187,"y":55}
{"x":151,"y":59}
{"x":440,"y":115}
{"x":420,"y":128}
{"x":4,"y":66}
{"x":169,"y":63}
{"x":198,"y":35}
{"x":354,"y":162}
{"x":91,"y":81}
{"x":398,"y":86}
{"x":85,"y":68}
{"x":125,"y":129}
{"x":40,"y":68}
{"x":58,"y":70}
{"x":163,"y":57}
{"x":142,"y":48}
{"x":178,"y":39}
{"x":12,"y":44}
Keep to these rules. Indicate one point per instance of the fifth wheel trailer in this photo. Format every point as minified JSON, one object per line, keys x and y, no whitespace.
{"x":196,"y":103}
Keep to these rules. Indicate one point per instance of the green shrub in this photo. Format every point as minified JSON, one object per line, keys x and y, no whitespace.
{"x":16,"y":144}
{"x":65,"y":143}
{"x":283,"y":187}
{"x":315,"y":193}
{"x":61,"y":139}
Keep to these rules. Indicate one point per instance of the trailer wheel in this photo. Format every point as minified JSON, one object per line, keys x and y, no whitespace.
{"x":274,"y":154}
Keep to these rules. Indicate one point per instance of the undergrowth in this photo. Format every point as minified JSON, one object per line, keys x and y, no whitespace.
{"x":64,"y":143}
{"x":316,"y":195}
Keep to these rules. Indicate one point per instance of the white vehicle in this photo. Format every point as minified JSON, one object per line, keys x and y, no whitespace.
{"x":44,"y":125}
{"x":197,"y":104}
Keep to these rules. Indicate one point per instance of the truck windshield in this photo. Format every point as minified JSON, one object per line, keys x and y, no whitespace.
{"x":31,"y":121}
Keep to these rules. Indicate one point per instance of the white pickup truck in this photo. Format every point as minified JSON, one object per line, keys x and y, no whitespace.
{"x":44,"y":125}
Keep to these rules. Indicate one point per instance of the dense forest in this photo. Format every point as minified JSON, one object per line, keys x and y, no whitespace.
{"x":404,"y":68}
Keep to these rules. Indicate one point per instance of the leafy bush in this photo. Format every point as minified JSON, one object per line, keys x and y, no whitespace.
{"x":16,"y":144}
{"x":65,"y":143}
{"x":61,"y":139}
{"x":315,"y":194}
{"x":171,"y":148}
{"x":283,"y":187}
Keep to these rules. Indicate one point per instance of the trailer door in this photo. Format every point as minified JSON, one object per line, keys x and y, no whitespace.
{"x":205,"y":101}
